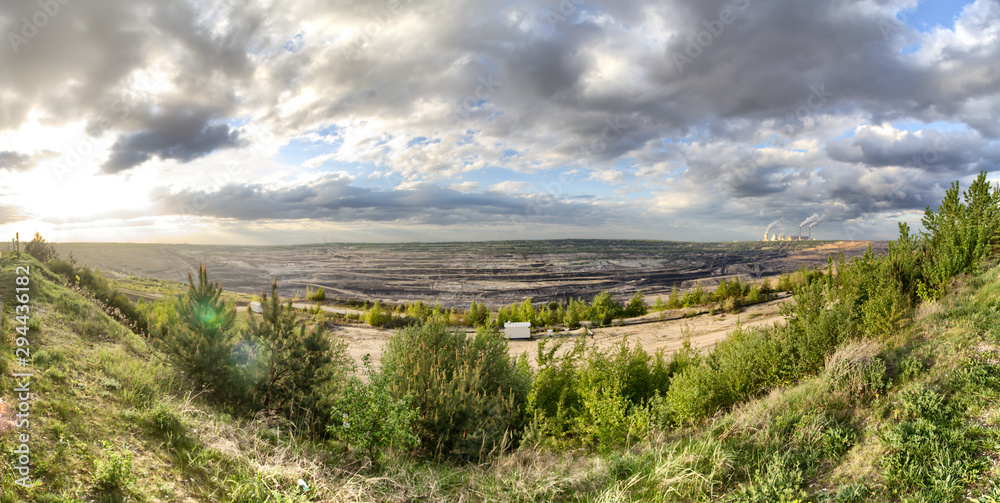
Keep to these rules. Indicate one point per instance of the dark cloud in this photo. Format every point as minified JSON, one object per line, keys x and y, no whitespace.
{"x":335,"y":199}
{"x":736,"y":107}
{"x":950,"y":153}
{"x":15,"y":161}
{"x":182,"y":135}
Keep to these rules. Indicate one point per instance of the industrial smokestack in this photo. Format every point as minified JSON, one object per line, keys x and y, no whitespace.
{"x":800,"y":233}
{"x":769,"y":227}
{"x":810,"y":233}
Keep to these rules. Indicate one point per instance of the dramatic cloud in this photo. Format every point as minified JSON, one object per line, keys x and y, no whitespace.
{"x":180,"y":135}
{"x":335,"y":199}
{"x":679,"y":118}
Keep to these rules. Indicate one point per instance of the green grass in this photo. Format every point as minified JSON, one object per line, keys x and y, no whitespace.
{"x":914,"y":416}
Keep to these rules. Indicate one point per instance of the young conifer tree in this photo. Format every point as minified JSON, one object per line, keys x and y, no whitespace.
{"x":291,"y":364}
{"x":202,"y":343}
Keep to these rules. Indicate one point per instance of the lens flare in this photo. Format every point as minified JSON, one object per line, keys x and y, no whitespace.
{"x":208,"y":315}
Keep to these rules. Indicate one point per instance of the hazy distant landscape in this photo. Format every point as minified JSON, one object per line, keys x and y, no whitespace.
{"x":494,"y":273}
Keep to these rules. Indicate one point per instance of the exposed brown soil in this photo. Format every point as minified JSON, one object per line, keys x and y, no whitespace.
{"x":496,"y":273}
{"x":704,"y":331}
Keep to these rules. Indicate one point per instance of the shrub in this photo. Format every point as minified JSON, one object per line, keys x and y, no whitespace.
{"x":694,"y":393}
{"x":114,"y":470}
{"x":749,"y":362}
{"x":288,"y":366}
{"x":636,"y":306}
{"x":367,"y":417}
{"x":42,"y":251}
{"x":607,"y":419}
{"x":604,"y":309}
{"x":202,"y":343}
{"x":375,"y":316}
{"x":319,"y":296}
{"x":856,"y":369}
{"x":479,"y":315}
{"x":468,"y":392}
{"x":732,"y":305}
{"x":554,"y":400}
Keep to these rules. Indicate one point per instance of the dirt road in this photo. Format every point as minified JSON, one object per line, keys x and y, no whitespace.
{"x":704,"y":331}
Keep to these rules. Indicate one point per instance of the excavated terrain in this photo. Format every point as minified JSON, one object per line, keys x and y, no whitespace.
{"x":496,"y":273}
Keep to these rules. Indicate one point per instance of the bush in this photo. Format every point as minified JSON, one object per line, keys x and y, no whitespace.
{"x":319,"y":296}
{"x":202,"y":343}
{"x":636,"y":306}
{"x":114,"y":471}
{"x":42,"y":251}
{"x":604,"y":309}
{"x":367,"y":417}
{"x":857,"y":370}
{"x":376,"y":317}
{"x":468,"y":392}
{"x":694,"y":393}
{"x":287,"y":366}
{"x":554,"y":400}
{"x":479,"y":315}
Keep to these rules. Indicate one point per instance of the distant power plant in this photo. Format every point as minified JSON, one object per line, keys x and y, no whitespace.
{"x":809,"y":223}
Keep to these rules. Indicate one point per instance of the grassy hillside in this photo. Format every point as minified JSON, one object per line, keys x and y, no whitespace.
{"x":883,"y":385}
{"x":112,"y":421}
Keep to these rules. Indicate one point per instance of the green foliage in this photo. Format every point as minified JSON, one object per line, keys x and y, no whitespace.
{"x":694,"y":393}
{"x":376,"y":316}
{"x":203,"y":341}
{"x":960,"y":234}
{"x":933,"y":450}
{"x":554,"y":399}
{"x":468,"y":391}
{"x":286,"y":365}
{"x":367,"y":417}
{"x":479,"y":315}
{"x":604,"y":309}
{"x":42,"y":251}
{"x":114,"y":471}
{"x":115,"y":303}
{"x":636,"y":306}
{"x":319,"y":296}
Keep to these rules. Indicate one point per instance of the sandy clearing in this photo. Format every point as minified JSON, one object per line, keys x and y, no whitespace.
{"x":704,"y":331}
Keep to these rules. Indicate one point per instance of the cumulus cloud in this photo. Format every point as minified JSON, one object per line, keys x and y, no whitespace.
{"x":181,"y":135}
{"x":335,"y":199}
{"x":740,"y":111}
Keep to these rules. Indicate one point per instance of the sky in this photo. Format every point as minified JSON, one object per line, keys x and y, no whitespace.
{"x":266,"y":122}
